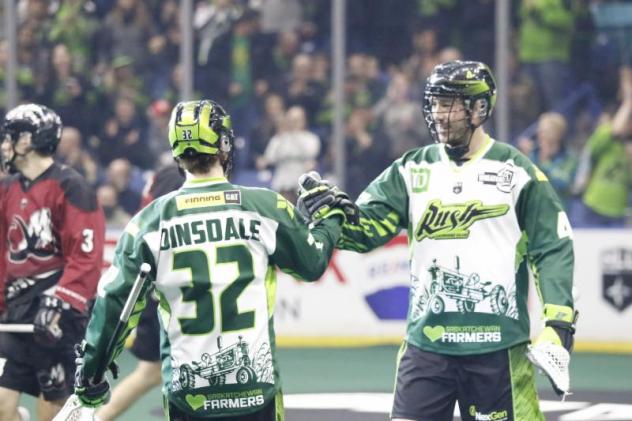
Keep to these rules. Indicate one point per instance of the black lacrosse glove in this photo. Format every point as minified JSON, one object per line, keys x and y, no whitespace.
{"x":47,"y":329}
{"x":342,"y":201}
{"x":318,"y":199}
{"x":91,"y":395}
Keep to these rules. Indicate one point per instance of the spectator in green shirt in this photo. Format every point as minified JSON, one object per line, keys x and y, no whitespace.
{"x":610,"y":147}
{"x":545,"y":35}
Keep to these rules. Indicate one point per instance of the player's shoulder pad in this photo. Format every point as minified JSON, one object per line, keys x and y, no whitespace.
{"x":76,"y":188}
{"x":266,"y":202}
{"x":149,"y":217}
{"x":503,"y":152}
{"x":427,"y":153}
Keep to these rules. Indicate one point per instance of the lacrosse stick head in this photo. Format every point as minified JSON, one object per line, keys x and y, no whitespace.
{"x":552,"y":360}
{"x":74,"y":411}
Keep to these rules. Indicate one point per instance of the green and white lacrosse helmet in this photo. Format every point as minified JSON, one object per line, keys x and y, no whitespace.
{"x":200,"y":127}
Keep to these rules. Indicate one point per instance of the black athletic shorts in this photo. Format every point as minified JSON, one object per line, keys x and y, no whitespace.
{"x":497,"y":386}
{"x":271,"y":412}
{"x":146,"y":345}
{"x":27,"y":367}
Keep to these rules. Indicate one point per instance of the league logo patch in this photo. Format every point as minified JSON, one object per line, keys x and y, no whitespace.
{"x":616,"y":275}
{"x":457,"y":188}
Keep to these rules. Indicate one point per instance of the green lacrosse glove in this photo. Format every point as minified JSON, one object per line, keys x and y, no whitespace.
{"x":559,"y":326}
{"x":551,"y":350}
{"x":319,"y":199}
{"x":91,"y":395}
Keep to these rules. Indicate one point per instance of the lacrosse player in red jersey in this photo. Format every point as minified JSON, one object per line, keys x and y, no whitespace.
{"x":51,"y":252}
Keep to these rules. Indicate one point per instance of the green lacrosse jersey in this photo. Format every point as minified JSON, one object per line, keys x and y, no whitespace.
{"x":472,"y":230}
{"x":213,"y":247}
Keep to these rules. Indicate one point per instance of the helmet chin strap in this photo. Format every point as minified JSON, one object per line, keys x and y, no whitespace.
{"x":226,"y":159}
{"x":226,"y":155}
{"x":8,"y":166}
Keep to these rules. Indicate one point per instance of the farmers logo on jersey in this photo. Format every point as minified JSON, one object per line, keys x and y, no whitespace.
{"x":441,"y":221}
{"x":32,"y":239}
{"x":463,"y":334}
{"x":616,"y":268}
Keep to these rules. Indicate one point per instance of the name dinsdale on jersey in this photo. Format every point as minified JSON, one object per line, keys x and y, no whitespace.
{"x":208,"y":231}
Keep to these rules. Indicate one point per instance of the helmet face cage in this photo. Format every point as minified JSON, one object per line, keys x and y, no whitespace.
{"x":42,"y":122}
{"x":469,"y":81}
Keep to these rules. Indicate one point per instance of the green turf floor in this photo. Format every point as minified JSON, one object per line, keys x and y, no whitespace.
{"x":372,"y":369}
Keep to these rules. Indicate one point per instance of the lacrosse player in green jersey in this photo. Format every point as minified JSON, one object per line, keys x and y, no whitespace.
{"x":213,"y":247}
{"x":478,"y":214}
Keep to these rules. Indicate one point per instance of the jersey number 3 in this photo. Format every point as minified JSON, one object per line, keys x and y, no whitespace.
{"x":200,"y":291}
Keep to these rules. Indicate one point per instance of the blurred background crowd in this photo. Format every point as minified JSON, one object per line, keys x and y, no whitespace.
{"x":111,"y":69}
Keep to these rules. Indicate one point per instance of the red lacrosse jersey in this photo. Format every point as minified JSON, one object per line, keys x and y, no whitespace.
{"x":51,"y":229}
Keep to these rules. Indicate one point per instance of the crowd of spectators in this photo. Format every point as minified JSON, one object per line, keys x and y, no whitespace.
{"x":111,"y":69}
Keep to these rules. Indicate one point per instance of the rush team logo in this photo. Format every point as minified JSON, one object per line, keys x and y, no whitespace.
{"x":441,"y":221}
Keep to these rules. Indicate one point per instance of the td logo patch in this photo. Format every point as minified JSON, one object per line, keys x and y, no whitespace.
{"x":421,"y":178}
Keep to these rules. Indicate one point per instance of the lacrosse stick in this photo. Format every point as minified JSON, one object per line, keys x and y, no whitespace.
{"x":16,"y":328}
{"x":553,"y":361}
{"x":72,"y":409}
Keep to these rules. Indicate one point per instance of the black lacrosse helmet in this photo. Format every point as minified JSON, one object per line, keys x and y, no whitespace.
{"x":467,"y":80}
{"x":43,"y":123}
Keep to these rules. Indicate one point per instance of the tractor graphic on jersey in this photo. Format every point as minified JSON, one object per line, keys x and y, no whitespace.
{"x":466,"y":290}
{"x":215,"y":367}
